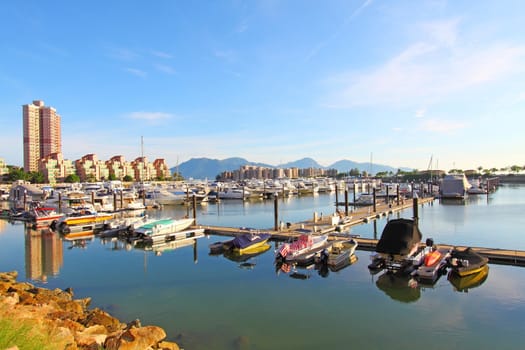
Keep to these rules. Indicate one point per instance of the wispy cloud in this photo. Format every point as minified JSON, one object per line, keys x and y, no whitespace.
{"x":150,"y":116}
{"x":165,"y":69}
{"x":441,"y":126}
{"x":137,"y":72}
{"x":336,"y":33}
{"x":123,"y":54}
{"x":420,"y":113}
{"x":161,"y":54}
{"x":226,"y":55}
{"x":427,"y":72}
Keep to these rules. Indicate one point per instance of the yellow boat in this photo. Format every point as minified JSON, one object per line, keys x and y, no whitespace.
{"x":85,"y":217}
{"x":247,"y":243}
{"x":462,"y":284}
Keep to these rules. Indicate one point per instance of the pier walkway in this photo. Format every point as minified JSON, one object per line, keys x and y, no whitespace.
{"x":330,"y":224}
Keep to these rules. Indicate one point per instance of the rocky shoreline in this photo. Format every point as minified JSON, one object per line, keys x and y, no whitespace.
{"x":70,"y":322}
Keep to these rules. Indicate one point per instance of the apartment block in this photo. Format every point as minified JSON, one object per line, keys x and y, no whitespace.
{"x":42,"y":133}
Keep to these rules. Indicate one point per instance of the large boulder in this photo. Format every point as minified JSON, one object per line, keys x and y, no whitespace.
{"x":136,"y":339}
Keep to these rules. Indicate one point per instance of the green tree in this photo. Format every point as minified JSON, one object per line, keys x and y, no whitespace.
{"x":16,"y":173}
{"x":128,"y":178}
{"x":112,"y":177}
{"x":515,"y":169}
{"x":72,"y":178}
{"x":36,"y":177}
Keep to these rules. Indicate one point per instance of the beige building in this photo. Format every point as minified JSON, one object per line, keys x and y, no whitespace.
{"x":90,"y":168}
{"x":55,"y":168}
{"x":42,"y":135}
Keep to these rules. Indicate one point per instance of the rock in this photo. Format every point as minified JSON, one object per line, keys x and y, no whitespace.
{"x":100,"y":317}
{"x":134,"y":324}
{"x":136,"y":339}
{"x":8,"y":276}
{"x":166,"y":345}
{"x":95,"y":335}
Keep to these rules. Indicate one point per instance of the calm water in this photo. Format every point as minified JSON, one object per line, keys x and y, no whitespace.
{"x":211,"y":302}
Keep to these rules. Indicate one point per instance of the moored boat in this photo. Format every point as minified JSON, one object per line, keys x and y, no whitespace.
{"x":303,"y":249}
{"x":340,"y":253}
{"x":466,"y":261}
{"x":44,"y":215}
{"x":160,"y":229}
{"x":398,"y":249}
{"x":434,"y":265}
{"x":82,"y":218}
{"x":247,"y":242}
{"x":463,"y":284}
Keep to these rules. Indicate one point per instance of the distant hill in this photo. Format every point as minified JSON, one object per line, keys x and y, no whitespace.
{"x":201,"y":168}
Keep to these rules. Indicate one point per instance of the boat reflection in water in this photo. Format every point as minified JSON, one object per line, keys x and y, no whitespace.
{"x":463,"y":284}
{"x":78,"y":239}
{"x":399,"y":287}
{"x":246,"y":260}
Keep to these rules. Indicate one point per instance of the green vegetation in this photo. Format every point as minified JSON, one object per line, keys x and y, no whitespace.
{"x":25,"y":334}
{"x":128,"y":178}
{"x":72,"y":178}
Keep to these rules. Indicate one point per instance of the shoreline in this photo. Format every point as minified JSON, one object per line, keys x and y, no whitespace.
{"x":70,"y":323}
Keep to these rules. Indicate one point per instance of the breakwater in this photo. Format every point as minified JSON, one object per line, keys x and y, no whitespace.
{"x":69,"y":322}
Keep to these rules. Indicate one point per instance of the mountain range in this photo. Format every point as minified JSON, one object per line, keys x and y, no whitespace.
{"x":202,"y":168}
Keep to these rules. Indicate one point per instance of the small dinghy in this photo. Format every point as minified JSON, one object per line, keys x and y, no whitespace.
{"x":464,"y":262}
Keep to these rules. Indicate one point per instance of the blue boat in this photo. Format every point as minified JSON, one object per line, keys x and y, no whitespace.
{"x":247,"y":242}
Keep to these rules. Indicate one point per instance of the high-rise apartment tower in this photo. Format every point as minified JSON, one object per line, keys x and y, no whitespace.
{"x":42,"y":134}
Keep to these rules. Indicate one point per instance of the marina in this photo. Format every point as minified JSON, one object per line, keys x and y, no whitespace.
{"x":178,"y":277}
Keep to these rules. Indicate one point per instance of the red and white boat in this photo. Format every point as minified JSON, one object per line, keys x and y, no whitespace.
{"x":302,"y":248}
{"x":44,"y":215}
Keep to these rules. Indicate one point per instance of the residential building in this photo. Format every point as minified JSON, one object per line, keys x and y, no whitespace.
{"x":55,"y":168}
{"x":42,"y":135}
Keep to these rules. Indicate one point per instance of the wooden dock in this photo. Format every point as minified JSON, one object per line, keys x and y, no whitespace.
{"x":360,"y":215}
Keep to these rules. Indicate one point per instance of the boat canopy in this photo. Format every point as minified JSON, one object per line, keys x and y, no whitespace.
{"x":398,"y":237}
{"x":248,"y":239}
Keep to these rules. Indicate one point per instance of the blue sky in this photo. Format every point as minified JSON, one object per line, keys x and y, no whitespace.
{"x":271,"y":81}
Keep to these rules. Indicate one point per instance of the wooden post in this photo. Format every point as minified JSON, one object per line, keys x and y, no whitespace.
{"x":243,"y":193}
{"x":355,"y":190}
{"x":115,"y":201}
{"x":397,"y":194}
{"x":93,"y":197}
{"x":374,"y":198}
{"x":336,"y":196}
{"x":346,"y":201}
{"x":121,"y":200}
{"x":387,"y":200}
{"x":194,"y":209}
{"x":415,"y":210}
{"x":276,"y":212}
{"x":59,"y":201}
{"x":195,"y":250}
{"x":25,"y":199}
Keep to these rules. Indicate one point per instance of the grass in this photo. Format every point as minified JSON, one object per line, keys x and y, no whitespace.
{"x":27,"y":334}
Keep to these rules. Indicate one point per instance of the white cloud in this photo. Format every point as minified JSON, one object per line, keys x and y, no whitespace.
{"x":420,"y":113}
{"x":441,"y":126}
{"x":137,"y":72}
{"x":161,"y":54}
{"x":123,"y":54}
{"x":165,"y":69}
{"x":150,"y":116}
{"x":428,"y":71}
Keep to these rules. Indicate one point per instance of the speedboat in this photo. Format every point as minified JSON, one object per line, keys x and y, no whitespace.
{"x":44,"y":215}
{"x":303,"y":249}
{"x":247,"y":242}
{"x":160,"y":229}
{"x":398,"y":249}
{"x":340,"y":253}
{"x":82,"y":217}
{"x":434,"y":265}
{"x":463,"y":284}
{"x":464,"y":262}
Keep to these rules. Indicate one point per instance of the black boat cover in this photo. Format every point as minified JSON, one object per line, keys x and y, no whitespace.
{"x":398,"y":237}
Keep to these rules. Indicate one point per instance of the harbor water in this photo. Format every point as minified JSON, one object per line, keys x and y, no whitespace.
{"x":208,"y":301}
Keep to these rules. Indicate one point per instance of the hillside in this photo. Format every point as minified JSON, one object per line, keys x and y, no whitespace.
{"x":202,"y":168}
